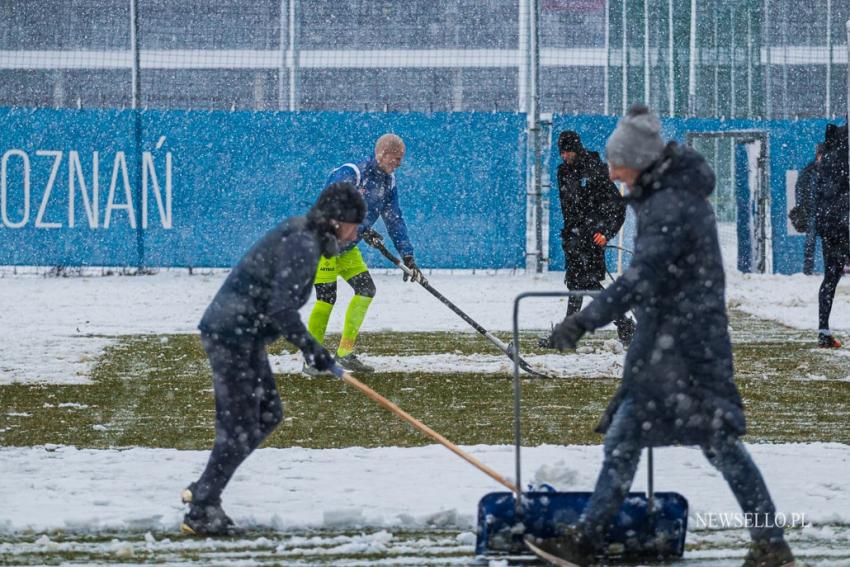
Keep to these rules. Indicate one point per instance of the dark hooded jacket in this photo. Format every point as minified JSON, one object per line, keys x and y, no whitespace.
{"x":678,"y":368}
{"x":831,"y":199}
{"x":590,"y":203}
{"x":260,"y":298}
{"x":804,"y":213}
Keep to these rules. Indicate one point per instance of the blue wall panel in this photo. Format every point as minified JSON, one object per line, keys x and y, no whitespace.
{"x":234,"y":175}
{"x":37,"y":132}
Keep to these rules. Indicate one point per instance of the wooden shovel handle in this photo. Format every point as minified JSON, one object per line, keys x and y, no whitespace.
{"x":351,"y":380}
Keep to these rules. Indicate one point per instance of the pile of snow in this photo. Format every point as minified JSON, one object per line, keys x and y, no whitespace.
{"x":789,"y":300}
{"x":600,"y":363}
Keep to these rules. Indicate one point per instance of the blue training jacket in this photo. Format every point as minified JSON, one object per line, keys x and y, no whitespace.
{"x":379,"y":191}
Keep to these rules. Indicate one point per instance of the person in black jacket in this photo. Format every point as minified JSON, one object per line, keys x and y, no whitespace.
{"x":593,"y":211}
{"x":831,"y":206}
{"x":803,"y":212}
{"x":257,"y":304}
{"x":677,"y":385}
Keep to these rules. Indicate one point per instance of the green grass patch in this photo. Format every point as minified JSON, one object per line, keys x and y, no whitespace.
{"x":156,"y":391}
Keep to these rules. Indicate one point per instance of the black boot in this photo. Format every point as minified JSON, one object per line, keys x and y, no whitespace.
{"x":571,"y":549}
{"x":625,"y":330}
{"x":826,"y":340}
{"x":204,"y":519}
{"x":207,"y":520}
{"x":574,"y":304}
{"x":769,"y":554}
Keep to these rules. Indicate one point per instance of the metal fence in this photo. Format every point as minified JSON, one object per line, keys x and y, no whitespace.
{"x":734,"y":58}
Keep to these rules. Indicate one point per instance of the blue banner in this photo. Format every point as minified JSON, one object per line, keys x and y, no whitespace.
{"x":196,"y":188}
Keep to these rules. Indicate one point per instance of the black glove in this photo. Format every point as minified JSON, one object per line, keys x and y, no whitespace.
{"x":415,"y":272}
{"x":566,"y":334}
{"x":318,"y":357}
{"x":546,"y":342}
{"x":372,"y":237}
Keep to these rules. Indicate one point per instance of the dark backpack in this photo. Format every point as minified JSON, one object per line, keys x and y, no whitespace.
{"x":799,"y":218}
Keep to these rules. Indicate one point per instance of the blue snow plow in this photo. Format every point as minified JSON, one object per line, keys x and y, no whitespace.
{"x":649,"y":527}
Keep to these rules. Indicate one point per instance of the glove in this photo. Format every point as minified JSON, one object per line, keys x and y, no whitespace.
{"x":372,"y":237}
{"x":415,"y":272}
{"x":599,"y":239}
{"x":566,"y":334}
{"x":546,"y":342}
{"x":318,"y":357}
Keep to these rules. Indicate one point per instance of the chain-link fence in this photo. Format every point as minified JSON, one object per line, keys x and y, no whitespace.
{"x":739,"y":58}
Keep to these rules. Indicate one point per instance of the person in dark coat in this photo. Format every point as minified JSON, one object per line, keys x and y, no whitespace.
{"x":593,"y":211}
{"x":831,"y":206}
{"x":803,"y":212}
{"x":257,"y":304}
{"x":677,"y":385}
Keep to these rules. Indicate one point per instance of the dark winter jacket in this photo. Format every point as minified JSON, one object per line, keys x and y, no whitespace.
{"x":259,"y":300}
{"x":678,"y":368}
{"x":804,"y":189}
{"x":590,"y":203}
{"x":804,"y":193}
{"x":831,"y":199}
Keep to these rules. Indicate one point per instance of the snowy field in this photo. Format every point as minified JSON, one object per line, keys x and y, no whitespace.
{"x":56,"y":327}
{"x":135,"y":491}
{"x":353,"y":506}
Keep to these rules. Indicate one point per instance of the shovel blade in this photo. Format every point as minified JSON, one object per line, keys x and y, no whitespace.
{"x":637,"y":533}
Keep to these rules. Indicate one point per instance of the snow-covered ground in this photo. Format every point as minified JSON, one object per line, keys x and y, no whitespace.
{"x":789,"y":300}
{"x":63,"y":488}
{"x":53,"y":329}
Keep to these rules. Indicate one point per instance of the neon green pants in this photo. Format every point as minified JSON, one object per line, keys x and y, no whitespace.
{"x":346,"y":265}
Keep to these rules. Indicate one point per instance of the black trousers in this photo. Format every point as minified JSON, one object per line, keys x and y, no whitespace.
{"x":247,"y":409}
{"x":585,"y":271}
{"x":836,"y":252}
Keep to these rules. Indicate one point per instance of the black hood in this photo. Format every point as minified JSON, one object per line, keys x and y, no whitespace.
{"x":340,"y":202}
{"x":680,"y":167}
{"x":337,"y":202}
{"x":321,"y":225}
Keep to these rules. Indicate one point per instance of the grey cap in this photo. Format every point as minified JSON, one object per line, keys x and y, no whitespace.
{"x":636,"y":141}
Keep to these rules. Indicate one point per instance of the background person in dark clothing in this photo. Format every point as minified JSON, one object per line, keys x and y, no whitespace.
{"x":831,"y":206}
{"x":677,"y":385}
{"x":257,"y":304}
{"x":802,"y":215}
{"x":593,"y":212}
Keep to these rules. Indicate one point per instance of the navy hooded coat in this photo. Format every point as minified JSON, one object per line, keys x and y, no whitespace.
{"x":678,"y":369}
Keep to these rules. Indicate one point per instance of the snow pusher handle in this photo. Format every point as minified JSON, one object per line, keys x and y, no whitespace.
{"x":517,"y":383}
{"x":505,"y":348}
{"x":381,"y":400}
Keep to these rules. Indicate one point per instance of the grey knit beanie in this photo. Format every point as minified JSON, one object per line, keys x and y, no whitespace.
{"x":636,"y":141}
